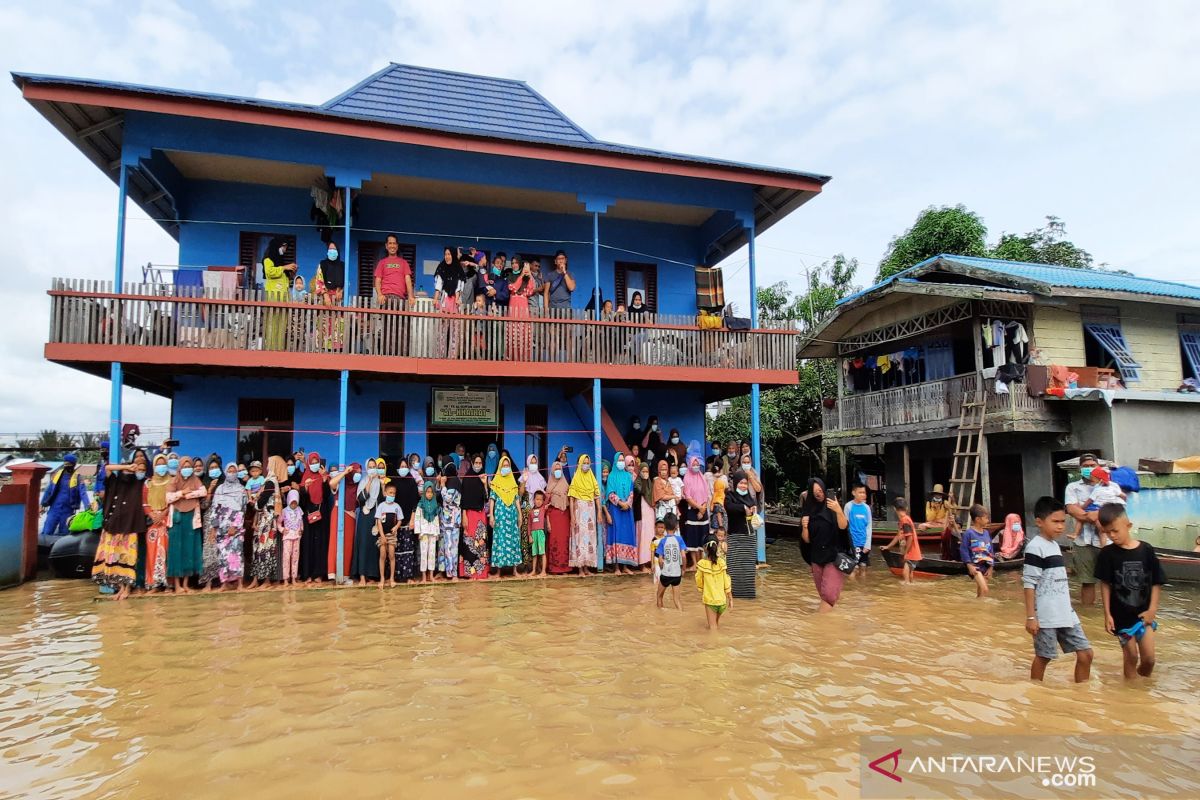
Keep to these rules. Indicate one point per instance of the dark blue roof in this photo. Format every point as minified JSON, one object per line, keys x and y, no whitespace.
{"x":1049,"y":276}
{"x":472,"y":103}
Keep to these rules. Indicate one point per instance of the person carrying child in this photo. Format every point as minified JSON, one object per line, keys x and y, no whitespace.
{"x":537,"y":534}
{"x":668,"y":560}
{"x":427,"y":527}
{"x":291,"y":523}
{"x":976,"y":550}
{"x":1049,"y":618}
{"x":906,"y":532}
{"x":1104,"y":491}
{"x":388,"y":516}
{"x":716,"y":588}
{"x":1131,"y":580}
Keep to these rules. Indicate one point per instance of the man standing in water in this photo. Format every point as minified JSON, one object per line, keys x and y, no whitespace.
{"x":1085,"y":536}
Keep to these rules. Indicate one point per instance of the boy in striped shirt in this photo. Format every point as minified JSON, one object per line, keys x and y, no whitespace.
{"x":1049,"y":618}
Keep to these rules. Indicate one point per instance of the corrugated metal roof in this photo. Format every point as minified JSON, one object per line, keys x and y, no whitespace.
{"x":1024,"y":273}
{"x":476,"y":103}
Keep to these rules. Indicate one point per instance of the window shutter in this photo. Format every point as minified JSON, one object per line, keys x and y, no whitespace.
{"x":651,"y":272}
{"x":1112,"y":339}
{"x":247,"y":244}
{"x":619,"y":283}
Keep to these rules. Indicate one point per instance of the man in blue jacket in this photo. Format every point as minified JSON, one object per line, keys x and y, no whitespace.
{"x":64,"y":496}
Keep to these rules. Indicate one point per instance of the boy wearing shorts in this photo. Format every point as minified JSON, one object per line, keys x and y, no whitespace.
{"x":537,"y":534}
{"x":668,"y":559}
{"x":977,"y":551}
{"x":1131,"y":580}
{"x":906,"y":532}
{"x":1049,"y":618}
{"x":858,"y":514}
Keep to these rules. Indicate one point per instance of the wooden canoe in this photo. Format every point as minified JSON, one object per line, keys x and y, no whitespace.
{"x":1181,"y":566}
{"x":935,"y":567}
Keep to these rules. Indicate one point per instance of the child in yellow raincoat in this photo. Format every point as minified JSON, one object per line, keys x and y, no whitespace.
{"x":712,"y":579}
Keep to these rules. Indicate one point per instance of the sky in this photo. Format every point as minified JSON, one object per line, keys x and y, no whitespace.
{"x":1087,"y":111}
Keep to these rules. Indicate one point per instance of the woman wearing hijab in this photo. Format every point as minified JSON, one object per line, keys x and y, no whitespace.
{"x":558,"y":521}
{"x":408,"y":496}
{"x":228,"y":516}
{"x":364,"y":558}
{"x":634,"y":433}
{"x":350,"y":476}
{"x":450,"y":521}
{"x":585,"y":516}
{"x":474,"y":545}
{"x":653,"y":447}
{"x":676,"y":451}
{"x":741,"y":557}
{"x":492,"y":462}
{"x":823,"y":531}
{"x":663,"y":492}
{"x":115,"y":564}
{"x":1012,"y":537}
{"x":696,"y":498}
{"x":184,"y":549}
{"x":520,"y":334}
{"x":268,"y":505}
{"x":622,"y":548}
{"x":209,"y":563}
{"x":531,"y":483}
{"x":329,"y":285}
{"x":758,"y":497}
{"x":644,"y":487}
{"x":504,"y":513}
{"x":157,"y":512}
{"x":447,"y":279}
{"x":277,"y":275}
{"x":314,"y":502}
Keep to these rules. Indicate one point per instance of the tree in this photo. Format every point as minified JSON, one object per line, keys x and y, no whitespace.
{"x":1045,"y":245}
{"x":949,"y":229}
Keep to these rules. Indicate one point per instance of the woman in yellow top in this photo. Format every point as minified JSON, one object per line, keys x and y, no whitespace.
{"x":937,"y":508}
{"x":712,"y":579}
{"x":584,"y":495}
{"x":277,"y":281}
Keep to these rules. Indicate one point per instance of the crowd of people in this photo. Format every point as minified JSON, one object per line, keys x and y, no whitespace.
{"x":181,"y":523}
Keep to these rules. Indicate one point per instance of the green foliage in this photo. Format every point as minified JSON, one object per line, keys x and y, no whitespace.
{"x":52,"y":445}
{"x":1045,"y":245}
{"x":949,"y":229}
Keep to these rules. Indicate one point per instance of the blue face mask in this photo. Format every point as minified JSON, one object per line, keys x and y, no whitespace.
{"x":291,"y":469}
{"x":430,"y":470}
{"x":586,"y":467}
{"x":242,"y":474}
{"x":186,"y":472}
{"x":357,"y":477}
{"x":1087,"y":473}
{"x":215,"y":472}
{"x":743,"y":491}
{"x":172,"y":463}
{"x":315,"y":466}
{"x":558,"y":473}
{"x":160,"y":469}
{"x":695,"y":467}
{"x":495,"y":270}
{"x":674,"y":440}
{"x":141,"y":473}
{"x":331,"y":254}
{"x":716,"y":451}
{"x":403,"y":472}
{"x":506,"y":470}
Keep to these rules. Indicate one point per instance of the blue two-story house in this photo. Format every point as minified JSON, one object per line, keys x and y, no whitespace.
{"x":438,"y":159}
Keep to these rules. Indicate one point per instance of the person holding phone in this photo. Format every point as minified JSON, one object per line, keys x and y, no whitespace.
{"x":560,"y":286}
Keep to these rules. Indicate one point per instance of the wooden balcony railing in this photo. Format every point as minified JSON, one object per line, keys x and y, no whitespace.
{"x":153,"y":315}
{"x":931,"y":402}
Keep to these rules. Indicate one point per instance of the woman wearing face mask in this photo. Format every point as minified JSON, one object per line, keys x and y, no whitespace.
{"x":504,"y":514}
{"x":637,"y":308}
{"x":209,"y":563}
{"x":350,"y":476}
{"x":364,"y":559}
{"x":531,"y":482}
{"x":474,"y":545}
{"x":414,"y":470}
{"x":558,"y":521}
{"x":278,"y":271}
{"x":265,"y":548}
{"x":183,"y":540}
{"x":741,"y":556}
{"x":585,"y":516}
{"x":696,"y":499}
{"x":450,"y":521}
{"x":314,"y":503}
{"x":158,"y":515}
{"x":116,"y":558}
{"x":492,"y":462}
{"x":644,"y":489}
{"x":330,"y":283}
{"x":408,"y":495}
{"x":760,"y":500}
{"x":622,"y":548}
{"x":676,"y":451}
{"x":634,"y":433}
{"x":228,"y":517}
{"x":447,"y":279}
{"x":653,"y":447}
{"x":714,"y":457}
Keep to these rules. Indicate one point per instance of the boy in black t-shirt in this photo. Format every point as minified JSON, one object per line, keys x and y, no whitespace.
{"x":1131,"y":581}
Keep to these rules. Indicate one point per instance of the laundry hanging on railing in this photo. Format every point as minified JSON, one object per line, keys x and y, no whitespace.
{"x":1004,"y":342}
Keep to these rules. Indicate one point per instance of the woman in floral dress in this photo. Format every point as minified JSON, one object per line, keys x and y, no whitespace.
{"x":505,"y":516}
{"x":266,"y":544}
{"x":228,"y":518}
{"x":450,"y":519}
{"x":585,"y":515}
{"x":208,"y":553}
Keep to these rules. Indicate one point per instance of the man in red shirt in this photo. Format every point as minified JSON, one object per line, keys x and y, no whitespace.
{"x":393,"y":276}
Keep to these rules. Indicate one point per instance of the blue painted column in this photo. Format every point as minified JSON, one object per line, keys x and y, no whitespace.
{"x":755,"y":406}
{"x":116,"y":378}
{"x":347,"y":484}
{"x":596,"y":459}
{"x":596,"y":259}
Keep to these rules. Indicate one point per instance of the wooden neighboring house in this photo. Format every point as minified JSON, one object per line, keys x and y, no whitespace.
{"x":912,"y":353}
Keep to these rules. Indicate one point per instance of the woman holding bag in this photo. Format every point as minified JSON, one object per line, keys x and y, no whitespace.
{"x":824,"y":534}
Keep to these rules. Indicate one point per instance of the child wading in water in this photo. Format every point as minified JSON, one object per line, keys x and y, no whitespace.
{"x":906,"y":532}
{"x":291,"y":522}
{"x":712,"y":579}
{"x":537,"y":534}
{"x":388,"y":516}
{"x":660,"y":530}
{"x":668,"y":560}
{"x":1049,"y":618}
{"x":976,"y":550}
{"x":1131,"y":580}
{"x":427,"y":527}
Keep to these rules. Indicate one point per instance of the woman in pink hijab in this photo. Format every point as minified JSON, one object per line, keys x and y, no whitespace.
{"x":696,"y":495}
{"x":1012,"y":538}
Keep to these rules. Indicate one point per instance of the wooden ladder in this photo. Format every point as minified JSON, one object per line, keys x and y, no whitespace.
{"x":968,"y":447}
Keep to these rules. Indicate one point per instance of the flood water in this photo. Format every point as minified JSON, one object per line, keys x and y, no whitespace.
{"x":560,"y":688}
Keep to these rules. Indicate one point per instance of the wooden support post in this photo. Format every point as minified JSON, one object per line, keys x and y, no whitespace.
{"x":841,"y":392}
{"x":907,"y":478}
{"x":985,"y":477}
{"x":845,"y":472}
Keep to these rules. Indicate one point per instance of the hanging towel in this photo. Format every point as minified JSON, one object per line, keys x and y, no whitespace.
{"x":884,"y":363}
{"x":987,"y":333}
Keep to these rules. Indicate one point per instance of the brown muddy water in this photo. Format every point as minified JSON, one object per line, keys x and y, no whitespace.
{"x":560,"y":688}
